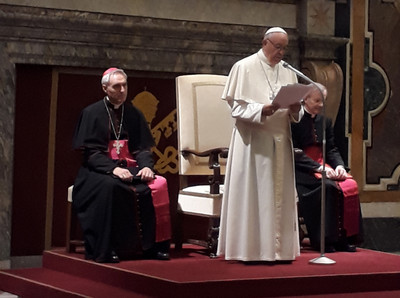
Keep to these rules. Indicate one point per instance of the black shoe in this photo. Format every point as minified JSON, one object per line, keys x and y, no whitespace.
{"x":151,"y":254}
{"x":163,"y":256}
{"x":349,"y":248}
{"x":346,"y":247}
{"x":112,"y":258}
{"x":330,"y":249}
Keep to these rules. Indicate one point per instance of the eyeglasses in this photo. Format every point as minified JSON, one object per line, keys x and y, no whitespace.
{"x":278,"y":47}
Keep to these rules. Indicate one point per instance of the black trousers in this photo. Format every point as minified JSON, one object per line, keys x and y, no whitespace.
{"x":310,"y":209}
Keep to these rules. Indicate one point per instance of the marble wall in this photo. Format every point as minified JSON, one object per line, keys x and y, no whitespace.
{"x":76,"y":38}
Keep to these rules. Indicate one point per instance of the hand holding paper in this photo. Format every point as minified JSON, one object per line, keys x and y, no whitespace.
{"x":291,"y":94}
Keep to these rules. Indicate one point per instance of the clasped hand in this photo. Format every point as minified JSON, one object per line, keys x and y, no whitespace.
{"x":339,"y":173}
{"x":145,"y":174}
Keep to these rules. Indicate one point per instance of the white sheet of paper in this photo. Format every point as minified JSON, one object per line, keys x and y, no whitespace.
{"x":291,"y":94}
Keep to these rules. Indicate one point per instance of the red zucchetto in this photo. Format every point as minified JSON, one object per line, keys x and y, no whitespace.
{"x":112,"y":69}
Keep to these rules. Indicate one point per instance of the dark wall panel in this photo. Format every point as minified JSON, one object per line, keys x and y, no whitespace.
{"x":32,"y":110}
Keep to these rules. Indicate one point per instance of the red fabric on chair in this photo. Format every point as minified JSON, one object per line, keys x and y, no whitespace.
{"x":159,"y":192}
{"x":351,"y":206}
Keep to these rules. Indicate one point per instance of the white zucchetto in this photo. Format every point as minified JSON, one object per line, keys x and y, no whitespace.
{"x":275,"y":30}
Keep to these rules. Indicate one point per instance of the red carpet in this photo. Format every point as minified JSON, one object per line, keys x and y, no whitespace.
{"x":191,"y":273}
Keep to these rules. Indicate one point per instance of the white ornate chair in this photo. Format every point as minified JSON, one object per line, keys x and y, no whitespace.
{"x":204,"y":133}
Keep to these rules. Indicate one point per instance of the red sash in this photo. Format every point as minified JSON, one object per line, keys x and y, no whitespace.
{"x":351,"y":200}
{"x":158,"y":186}
{"x":122,"y":146}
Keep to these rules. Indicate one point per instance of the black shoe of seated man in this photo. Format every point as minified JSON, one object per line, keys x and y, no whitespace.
{"x":161,"y":250}
{"x":330,"y":249}
{"x":346,"y":247}
{"x":112,"y":258}
{"x":351,"y":248}
{"x":163,"y":256}
{"x":156,"y":255}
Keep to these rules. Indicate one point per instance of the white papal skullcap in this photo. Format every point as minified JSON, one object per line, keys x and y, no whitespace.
{"x":275,"y":30}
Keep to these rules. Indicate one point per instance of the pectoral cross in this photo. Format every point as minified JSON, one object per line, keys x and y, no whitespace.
{"x":118,"y":146}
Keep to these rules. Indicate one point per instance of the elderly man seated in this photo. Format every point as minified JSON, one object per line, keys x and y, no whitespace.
{"x":343,"y":222}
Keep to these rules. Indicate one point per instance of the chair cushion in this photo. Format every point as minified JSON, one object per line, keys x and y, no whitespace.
{"x":198,"y":200}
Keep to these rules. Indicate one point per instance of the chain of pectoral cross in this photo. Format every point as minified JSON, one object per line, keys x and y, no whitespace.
{"x":273,"y":89}
{"x":116,"y":144}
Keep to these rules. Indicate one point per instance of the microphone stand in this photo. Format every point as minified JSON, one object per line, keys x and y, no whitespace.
{"x":322,"y":259}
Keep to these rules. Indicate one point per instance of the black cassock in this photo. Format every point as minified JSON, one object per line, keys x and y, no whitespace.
{"x":114,"y":215}
{"x":305,"y":134}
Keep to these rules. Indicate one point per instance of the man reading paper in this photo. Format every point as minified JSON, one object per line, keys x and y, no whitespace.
{"x":259,"y":213}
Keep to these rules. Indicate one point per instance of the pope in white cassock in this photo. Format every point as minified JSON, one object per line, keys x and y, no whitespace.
{"x":259,"y":213}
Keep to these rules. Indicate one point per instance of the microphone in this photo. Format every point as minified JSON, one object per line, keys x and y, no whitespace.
{"x":298,"y":72}
{"x":322,"y":259}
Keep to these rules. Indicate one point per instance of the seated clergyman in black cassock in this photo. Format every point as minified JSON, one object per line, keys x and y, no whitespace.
{"x":343,"y":222}
{"x":122,"y":206}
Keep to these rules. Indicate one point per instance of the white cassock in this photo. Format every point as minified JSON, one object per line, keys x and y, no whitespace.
{"x":259,"y":214}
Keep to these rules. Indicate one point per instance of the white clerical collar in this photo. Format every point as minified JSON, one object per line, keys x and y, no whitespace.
{"x":115,"y":106}
{"x":311,"y":114}
{"x":264,"y":58}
